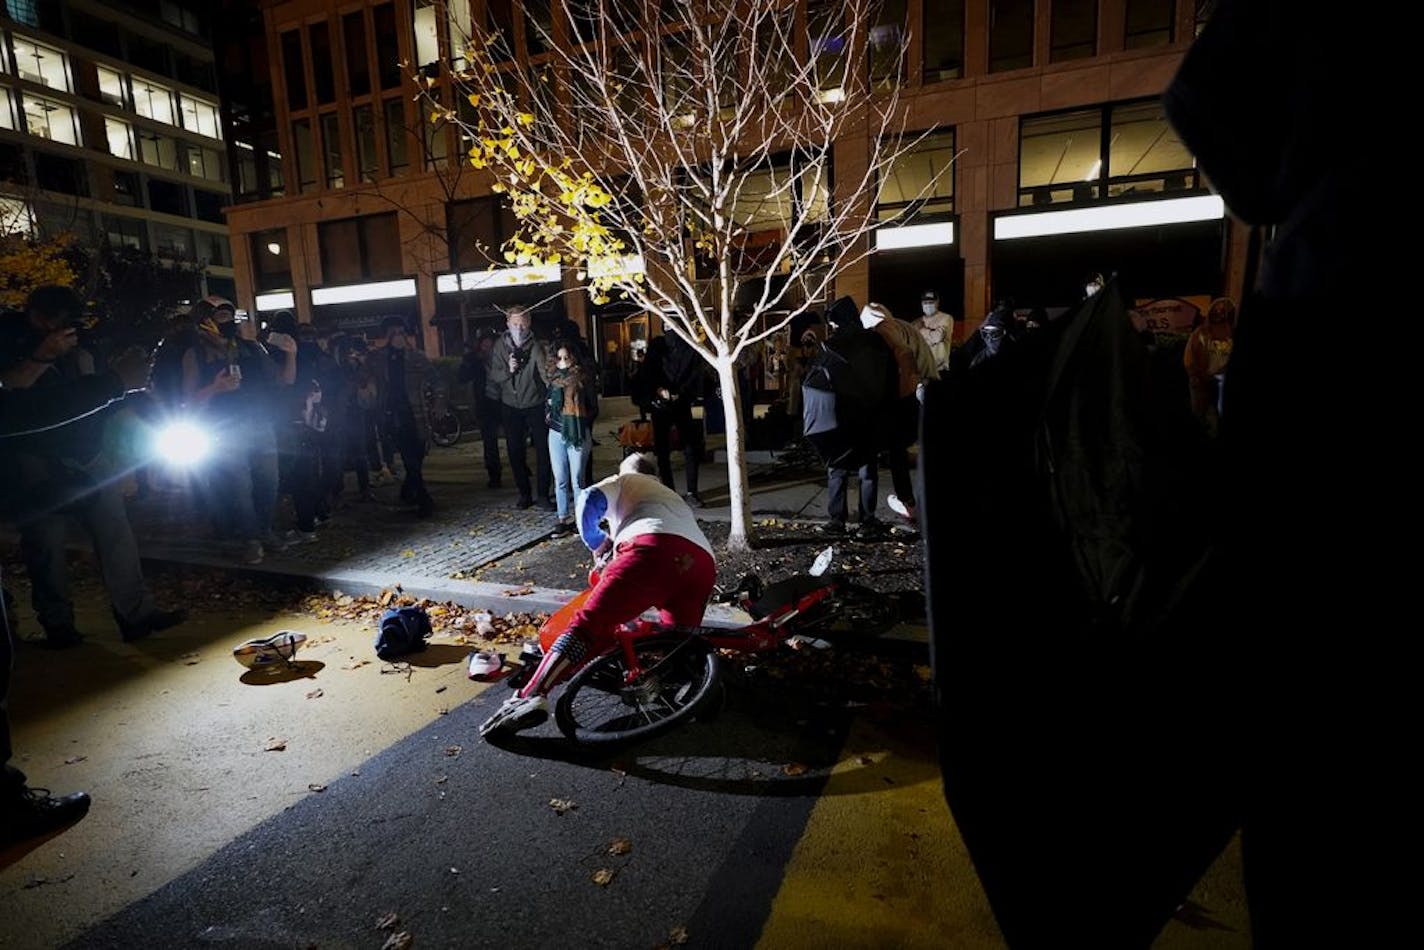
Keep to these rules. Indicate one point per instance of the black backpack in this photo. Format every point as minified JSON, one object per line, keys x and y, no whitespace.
{"x":403,"y":630}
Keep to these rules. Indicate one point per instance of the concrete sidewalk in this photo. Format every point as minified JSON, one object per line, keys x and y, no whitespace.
{"x":368,"y":547}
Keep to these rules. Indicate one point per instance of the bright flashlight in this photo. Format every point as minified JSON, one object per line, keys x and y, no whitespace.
{"x":182,"y":444}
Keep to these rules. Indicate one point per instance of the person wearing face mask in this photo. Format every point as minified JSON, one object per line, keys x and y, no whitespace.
{"x":569,"y":415}
{"x":1092,"y":285}
{"x":937,"y":327}
{"x":403,"y":374}
{"x":1205,"y":358}
{"x":240,"y":389}
{"x":519,"y":365}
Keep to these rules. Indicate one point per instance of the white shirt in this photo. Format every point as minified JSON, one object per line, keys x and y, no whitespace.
{"x":633,"y":505}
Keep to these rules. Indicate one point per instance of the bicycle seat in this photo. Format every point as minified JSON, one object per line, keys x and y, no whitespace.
{"x":783,"y":594}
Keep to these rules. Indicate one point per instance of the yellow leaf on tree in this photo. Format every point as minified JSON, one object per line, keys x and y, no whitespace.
{"x":474,"y":98}
{"x":526,"y":118}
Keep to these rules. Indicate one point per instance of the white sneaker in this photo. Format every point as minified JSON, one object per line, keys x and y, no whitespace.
{"x":900,"y":508}
{"x":517,"y":713}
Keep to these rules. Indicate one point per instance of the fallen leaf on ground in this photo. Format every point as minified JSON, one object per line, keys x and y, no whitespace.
{"x":387,"y":920}
{"x":276,"y":745}
{"x":620,"y":846}
{"x":357,"y":664}
{"x":316,"y":787}
{"x":678,"y":936}
{"x":562,"y":805}
{"x":452,"y":750}
{"x":398,"y":941}
{"x":386,"y":596}
{"x":517,"y":591}
{"x":865,"y":760}
{"x":74,"y":759}
{"x":189,"y":659}
{"x":793,"y":768}
{"x":441,"y":689}
{"x":442,"y":780}
{"x":407,"y":553}
{"x":315,"y":694}
{"x":603,"y":877}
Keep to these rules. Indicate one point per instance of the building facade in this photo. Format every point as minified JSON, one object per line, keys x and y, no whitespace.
{"x":110,"y":130}
{"x":1063,"y":162}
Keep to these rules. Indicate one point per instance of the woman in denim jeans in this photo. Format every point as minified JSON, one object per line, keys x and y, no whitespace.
{"x":568,"y":411}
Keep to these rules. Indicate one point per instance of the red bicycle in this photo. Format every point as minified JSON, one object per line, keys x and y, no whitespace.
{"x":659,"y":675}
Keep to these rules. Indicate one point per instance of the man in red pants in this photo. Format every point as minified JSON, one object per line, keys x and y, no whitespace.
{"x":659,"y":558}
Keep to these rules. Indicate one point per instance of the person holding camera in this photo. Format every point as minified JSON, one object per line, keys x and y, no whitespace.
{"x":27,"y":812}
{"x":518,"y":369}
{"x":52,"y":476}
{"x":239,"y":388}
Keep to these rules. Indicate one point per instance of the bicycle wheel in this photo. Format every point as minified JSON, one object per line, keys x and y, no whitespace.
{"x":598,"y":706}
{"x":445,"y":430}
{"x":853,"y":609}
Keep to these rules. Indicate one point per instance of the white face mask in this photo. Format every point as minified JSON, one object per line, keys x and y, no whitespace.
{"x":929,"y":308}
{"x":519,"y":333}
{"x":1091,"y":289}
{"x":563,"y":363}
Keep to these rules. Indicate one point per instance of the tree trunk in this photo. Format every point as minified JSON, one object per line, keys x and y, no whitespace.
{"x":739,"y":498}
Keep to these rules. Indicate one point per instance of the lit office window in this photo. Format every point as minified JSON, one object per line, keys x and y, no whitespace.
{"x":17,"y":216}
{"x":51,"y":120}
{"x":112,"y":88}
{"x":200,"y":117}
{"x":120,"y":136}
{"x":426,"y":20}
{"x":204,"y":163}
{"x":1067,"y":158}
{"x":826,"y":41}
{"x":158,"y":150}
{"x":42,"y":64}
{"x":7,"y":109}
{"x":910,"y":188}
{"x":1145,"y":154}
{"x":153,"y":101}
{"x":171,"y":242}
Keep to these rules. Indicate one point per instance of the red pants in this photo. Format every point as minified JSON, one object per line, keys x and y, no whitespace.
{"x":665,"y":571}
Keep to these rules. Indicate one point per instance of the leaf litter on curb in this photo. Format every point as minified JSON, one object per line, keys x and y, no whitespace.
{"x":316,"y":787}
{"x":398,"y":941}
{"x":315,"y":694}
{"x":604,"y":876}
{"x":276,"y":745}
{"x":562,"y":805}
{"x":620,"y":846}
{"x":387,"y":921}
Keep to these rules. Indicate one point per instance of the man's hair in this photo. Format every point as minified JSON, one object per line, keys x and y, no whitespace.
{"x":52,"y":300}
{"x":393,"y":323}
{"x":639,"y":463}
{"x":513,"y":312}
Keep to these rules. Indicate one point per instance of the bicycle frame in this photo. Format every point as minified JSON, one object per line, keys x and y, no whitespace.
{"x":758,"y":637}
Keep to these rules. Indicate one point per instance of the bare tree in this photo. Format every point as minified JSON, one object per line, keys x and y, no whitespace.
{"x":682,"y":160}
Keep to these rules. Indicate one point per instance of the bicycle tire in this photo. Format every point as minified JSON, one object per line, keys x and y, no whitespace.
{"x":689,"y":684}
{"x":446,"y":431}
{"x":853,"y":610}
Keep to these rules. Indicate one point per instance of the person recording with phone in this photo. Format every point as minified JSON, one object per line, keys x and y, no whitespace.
{"x":238,"y":386}
{"x":52,"y":476}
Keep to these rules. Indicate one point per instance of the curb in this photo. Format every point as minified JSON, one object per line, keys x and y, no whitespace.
{"x":481,"y":595}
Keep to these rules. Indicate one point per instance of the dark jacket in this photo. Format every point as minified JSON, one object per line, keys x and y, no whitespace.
{"x":523,"y":389}
{"x":418,"y":373}
{"x":848,"y":393}
{"x":672,"y":365}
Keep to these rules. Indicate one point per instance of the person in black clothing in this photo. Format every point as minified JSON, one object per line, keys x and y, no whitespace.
{"x":474,"y":370}
{"x":673,"y":376}
{"x":354,"y":407}
{"x":27,"y":812}
{"x":66,"y":473}
{"x":402,"y":375}
{"x":860,"y":368}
